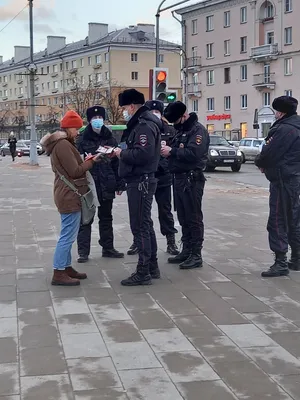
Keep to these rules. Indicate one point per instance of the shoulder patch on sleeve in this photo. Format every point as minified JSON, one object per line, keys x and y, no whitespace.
{"x":143,"y":140}
{"x":198,"y":139}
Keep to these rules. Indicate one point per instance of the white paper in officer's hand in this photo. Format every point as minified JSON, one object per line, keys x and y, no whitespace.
{"x":105,"y":150}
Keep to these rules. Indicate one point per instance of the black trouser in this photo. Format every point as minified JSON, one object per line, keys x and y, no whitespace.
{"x":163,"y":196}
{"x":284,"y":218}
{"x":105,"y":230}
{"x":188,"y":199}
{"x":13,"y":151}
{"x":140,"y":198}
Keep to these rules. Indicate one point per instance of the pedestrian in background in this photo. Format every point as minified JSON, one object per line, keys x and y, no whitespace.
{"x":187,"y":156}
{"x":280,"y":161}
{"x":12,"y":141}
{"x":66,"y":162}
{"x":138,"y":165}
{"x":107,"y":183}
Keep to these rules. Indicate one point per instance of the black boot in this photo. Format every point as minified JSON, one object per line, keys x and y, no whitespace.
{"x":83,"y":259}
{"x":294,"y":262}
{"x":154,"y":269}
{"x":279,"y":268}
{"x":133,"y":250}
{"x":112,"y":253}
{"x":139,"y":278}
{"x":172,"y":248}
{"x":182,"y":256}
{"x":194,"y":260}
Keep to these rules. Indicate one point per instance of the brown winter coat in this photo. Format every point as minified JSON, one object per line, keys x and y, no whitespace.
{"x":66,"y":160}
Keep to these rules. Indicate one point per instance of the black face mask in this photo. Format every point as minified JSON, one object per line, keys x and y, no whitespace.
{"x":179,"y":125}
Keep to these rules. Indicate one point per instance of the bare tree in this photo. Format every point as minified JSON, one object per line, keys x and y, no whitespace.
{"x":53,"y":117}
{"x":19,"y":121}
{"x":110,"y":100}
{"x":4,"y":120}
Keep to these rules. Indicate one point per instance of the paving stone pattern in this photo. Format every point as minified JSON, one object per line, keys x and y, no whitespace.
{"x":219,"y":333}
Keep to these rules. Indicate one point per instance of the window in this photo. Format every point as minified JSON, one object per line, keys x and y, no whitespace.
{"x":61,"y":67}
{"x":43,"y":87}
{"x":210,"y":128}
{"x":48,"y":70}
{"x":55,"y":85}
{"x":209,"y":50}
{"x":90,"y":61}
{"x":244,"y":101}
{"x":134,"y":57}
{"x":90,"y":78}
{"x":98,"y":59}
{"x":288,"y":92}
{"x":67,"y":66}
{"x":82,"y":62}
{"x":49,"y":102}
{"x":98,"y":78}
{"x":48,"y":85}
{"x":134,"y":76}
{"x":194,"y":51}
{"x":74,"y":64}
{"x":82,"y":80}
{"x":270,"y":37}
{"x":15,"y":92}
{"x":267,"y":99}
{"x":5,"y":93}
{"x":209,"y":23}
{"x":195,"y":107}
{"x":227,"y":103}
{"x":21,"y":90}
{"x":288,"y":35}
{"x":244,"y":72}
{"x":55,"y":69}
{"x":107,"y":76}
{"x":211,"y":104}
{"x":244,"y":44}
{"x":55,"y":101}
{"x":227,"y":47}
{"x":161,"y":58}
{"x":61,"y":84}
{"x":194,"y":27}
{"x":243,"y":15}
{"x":269,"y":10}
{"x":226,"y":19}
{"x":288,"y":6}
{"x":227,"y":126}
{"x":5,"y":79}
{"x":227,"y":75}
{"x":288,"y":66}
{"x":210,"y":77}
{"x":106,"y":57}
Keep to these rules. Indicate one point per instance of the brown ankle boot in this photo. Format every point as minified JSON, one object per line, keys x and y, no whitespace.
{"x":61,"y":278}
{"x":72,"y":273}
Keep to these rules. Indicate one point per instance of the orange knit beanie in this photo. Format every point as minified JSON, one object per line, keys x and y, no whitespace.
{"x":71,"y":120}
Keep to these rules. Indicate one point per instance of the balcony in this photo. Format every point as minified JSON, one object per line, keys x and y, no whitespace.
{"x":20,"y":96}
{"x":20,"y":81}
{"x":54,"y":75}
{"x":264,"y":81}
{"x":266,"y":52}
{"x":193,"y":63}
{"x":4,"y":98}
{"x":97,"y":66}
{"x":73,"y":70}
{"x":193,"y":90}
{"x":4,"y":84}
{"x":54,"y":90}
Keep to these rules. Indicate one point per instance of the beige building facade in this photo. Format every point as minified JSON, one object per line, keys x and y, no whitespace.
{"x":83,"y":73}
{"x":240,"y":55}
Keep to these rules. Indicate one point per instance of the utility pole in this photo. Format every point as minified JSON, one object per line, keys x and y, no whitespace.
{"x":159,"y":10}
{"x":32,"y":72}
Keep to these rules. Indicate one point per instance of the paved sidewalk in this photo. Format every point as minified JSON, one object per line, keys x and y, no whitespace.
{"x":219,"y":333}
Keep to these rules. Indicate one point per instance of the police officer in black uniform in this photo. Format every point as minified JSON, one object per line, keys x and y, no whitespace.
{"x":163,"y":194}
{"x":138,"y":165}
{"x":280,"y":161}
{"x":187,"y":157}
{"x":107,"y":183}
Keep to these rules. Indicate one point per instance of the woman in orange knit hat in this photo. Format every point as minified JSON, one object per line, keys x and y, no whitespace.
{"x":66,"y":161}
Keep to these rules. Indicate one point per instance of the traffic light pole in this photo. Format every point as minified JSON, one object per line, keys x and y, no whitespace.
{"x":32,"y":72}
{"x":160,"y":10}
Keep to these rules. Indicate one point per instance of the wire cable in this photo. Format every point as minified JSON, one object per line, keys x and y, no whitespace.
{"x":16,"y":16}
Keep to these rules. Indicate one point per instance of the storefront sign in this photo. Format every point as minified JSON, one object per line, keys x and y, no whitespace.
{"x":218,"y":117}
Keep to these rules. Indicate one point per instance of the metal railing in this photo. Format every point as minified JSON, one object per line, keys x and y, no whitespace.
{"x":194,"y":89}
{"x":264,"y":79}
{"x":193,"y":62}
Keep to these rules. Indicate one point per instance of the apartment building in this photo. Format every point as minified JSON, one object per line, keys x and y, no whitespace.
{"x":79,"y":72}
{"x":240,"y":55}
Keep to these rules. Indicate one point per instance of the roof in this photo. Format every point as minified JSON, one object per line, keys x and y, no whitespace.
{"x":132,"y":36}
{"x":199,"y":5}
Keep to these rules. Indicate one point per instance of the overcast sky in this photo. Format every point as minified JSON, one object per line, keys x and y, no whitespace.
{"x":70,"y":18}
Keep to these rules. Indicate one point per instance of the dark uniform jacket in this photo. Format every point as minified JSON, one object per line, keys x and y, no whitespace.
{"x":280,"y":156}
{"x":105,"y":174}
{"x":189,"y":147}
{"x":163,"y":173}
{"x":143,"y":146}
{"x":12,"y":141}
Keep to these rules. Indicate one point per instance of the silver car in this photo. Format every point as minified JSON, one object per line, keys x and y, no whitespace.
{"x":249,"y":148}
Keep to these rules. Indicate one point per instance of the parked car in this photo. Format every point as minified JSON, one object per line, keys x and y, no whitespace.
{"x":21,"y":149}
{"x":250,"y":147}
{"x":39,"y":147}
{"x":222,"y":154}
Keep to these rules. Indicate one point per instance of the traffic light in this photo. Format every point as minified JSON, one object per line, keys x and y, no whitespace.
{"x":160,"y":84}
{"x":171,"y":97}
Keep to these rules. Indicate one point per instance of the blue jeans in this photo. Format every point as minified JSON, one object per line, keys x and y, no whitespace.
{"x":70,"y":224}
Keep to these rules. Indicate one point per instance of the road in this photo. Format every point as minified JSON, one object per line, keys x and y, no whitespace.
{"x":249,"y":175}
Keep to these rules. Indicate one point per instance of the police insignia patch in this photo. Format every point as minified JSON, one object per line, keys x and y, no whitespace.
{"x":198,"y":139}
{"x":143,"y":140}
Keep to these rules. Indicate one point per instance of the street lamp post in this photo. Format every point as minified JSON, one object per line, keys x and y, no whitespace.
{"x":160,"y":10}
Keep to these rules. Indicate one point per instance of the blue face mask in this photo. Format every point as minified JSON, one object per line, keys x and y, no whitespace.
{"x":126,"y":115}
{"x":97,"y":124}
